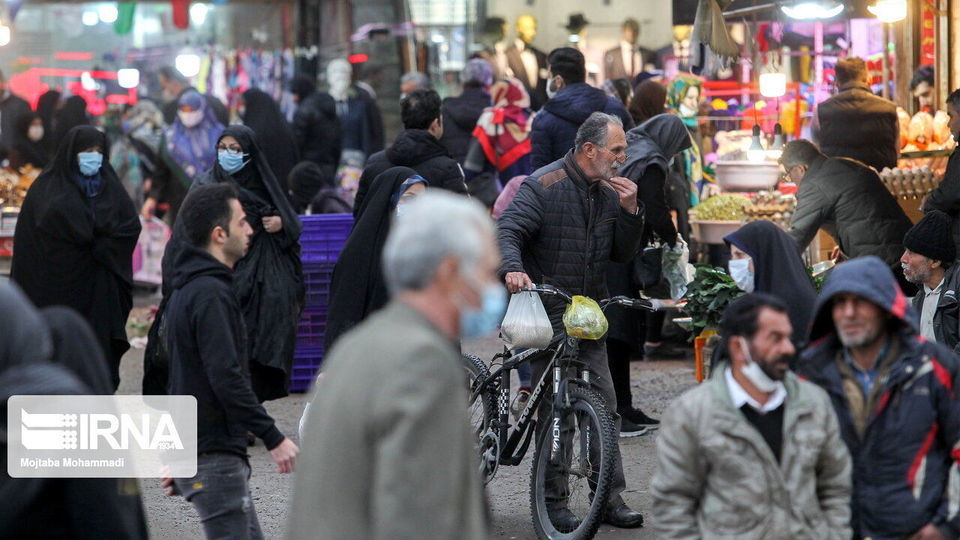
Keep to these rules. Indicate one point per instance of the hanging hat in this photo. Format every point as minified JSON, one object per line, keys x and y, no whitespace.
{"x":576,"y":23}
{"x":932,"y":237}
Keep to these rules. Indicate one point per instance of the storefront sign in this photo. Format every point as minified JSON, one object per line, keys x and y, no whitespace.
{"x":928,"y":33}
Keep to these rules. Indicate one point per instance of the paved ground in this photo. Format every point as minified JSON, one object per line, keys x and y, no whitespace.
{"x":655,"y":384}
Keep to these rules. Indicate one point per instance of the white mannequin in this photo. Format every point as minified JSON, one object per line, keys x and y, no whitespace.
{"x":339,"y":77}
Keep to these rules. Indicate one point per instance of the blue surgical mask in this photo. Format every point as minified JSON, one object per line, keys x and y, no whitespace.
{"x":741,"y":273}
{"x":89,"y":162}
{"x":231,"y":161}
{"x":483,"y":321}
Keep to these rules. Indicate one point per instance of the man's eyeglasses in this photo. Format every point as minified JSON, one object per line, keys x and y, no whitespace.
{"x":621,"y":155}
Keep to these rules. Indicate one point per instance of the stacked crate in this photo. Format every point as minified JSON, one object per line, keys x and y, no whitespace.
{"x":321,"y":241}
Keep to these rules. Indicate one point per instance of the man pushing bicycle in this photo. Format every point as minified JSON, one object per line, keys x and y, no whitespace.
{"x":567,"y":221}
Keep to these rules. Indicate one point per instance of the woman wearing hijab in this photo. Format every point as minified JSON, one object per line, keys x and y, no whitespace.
{"x":650,"y":148}
{"x":315,"y":192}
{"x":357,"y":287}
{"x":501,"y":143}
{"x":47,"y":107}
{"x":135,"y":151}
{"x":29,"y":143}
{"x":765,"y":259}
{"x":72,"y":114}
{"x":186,"y":151}
{"x":269,"y":279}
{"x":649,"y":99}
{"x":261,"y":113}
{"x":75,"y":239}
{"x":683,"y":100}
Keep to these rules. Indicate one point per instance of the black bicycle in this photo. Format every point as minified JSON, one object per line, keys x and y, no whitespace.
{"x":563,"y":457}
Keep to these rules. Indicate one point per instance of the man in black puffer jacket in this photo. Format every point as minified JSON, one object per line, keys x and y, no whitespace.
{"x":555,"y":126}
{"x":855,"y":123}
{"x":895,"y":397}
{"x":316,"y":126}
{"x":418,"y":146}
{"x":850,"y":202}
{"x":460,"y":113}
{"x":568,"y":220}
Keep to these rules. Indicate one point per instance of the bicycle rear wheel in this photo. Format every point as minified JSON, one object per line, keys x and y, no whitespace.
{"x":481,"y":410}
{"x":580,"y":479}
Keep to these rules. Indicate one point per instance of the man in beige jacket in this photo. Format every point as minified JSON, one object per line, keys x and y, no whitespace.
{"x":754,"y":452}
{"x":388,"y":451}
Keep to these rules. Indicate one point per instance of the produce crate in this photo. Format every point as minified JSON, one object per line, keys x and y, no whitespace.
{"x":310,"y":330}
{"x":317,"y":277}
{"x":324,"y":236}
{"x":306,"y":363}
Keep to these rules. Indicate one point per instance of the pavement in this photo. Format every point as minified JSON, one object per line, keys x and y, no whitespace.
{"x":655,"y":384}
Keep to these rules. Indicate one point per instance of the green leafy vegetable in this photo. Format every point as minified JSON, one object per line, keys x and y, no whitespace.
{"x":710,"y":293}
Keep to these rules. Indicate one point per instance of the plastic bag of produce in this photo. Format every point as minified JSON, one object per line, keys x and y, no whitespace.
{"x":584,"y":319}
{"x":526,"y":324}
{"x":676,"y":268}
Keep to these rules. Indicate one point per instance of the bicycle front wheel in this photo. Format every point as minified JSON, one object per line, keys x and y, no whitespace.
{"x":578,"y":480}
{"x":481,"y":410}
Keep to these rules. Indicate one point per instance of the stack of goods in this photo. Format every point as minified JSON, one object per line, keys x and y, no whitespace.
{"x":323,"y":237}
{"x":771,"y":206}
{"x":913,"y":183}
{"x":924,"y":132}
{"x":717,"y":217}
{"x":14,"y":185}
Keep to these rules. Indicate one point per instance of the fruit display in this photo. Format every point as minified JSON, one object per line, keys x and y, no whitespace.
{"x":14,"y":185}
{"x":723,"y":207}
{"x":912,"y":183}
{"x":771,"y":206}
{"x":924,"y":131}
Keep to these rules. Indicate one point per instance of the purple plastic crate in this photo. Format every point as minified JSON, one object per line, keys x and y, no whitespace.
{"x":317,"y":278}
{"x":324,"y":236}
{"x":311,"y":329}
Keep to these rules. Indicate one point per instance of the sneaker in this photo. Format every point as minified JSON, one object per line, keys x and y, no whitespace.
{"x":629,"y":429}
{"x":638,"y":417}
{"x":520,"y":403}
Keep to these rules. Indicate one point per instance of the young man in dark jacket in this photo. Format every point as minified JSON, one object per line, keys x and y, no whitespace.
{"x":316,"y":126}
{"x":946,"y":197}
{"x":460,"y":114}
{"x":571,"y":102}
{"x":204,"y":336}
{"x":568,"y":220}
{"x":875,"y":141}
{"x":418,"y":146}
{"x":894,"y":395}
{"x":850,"y":202}
{"x":929,"y":262}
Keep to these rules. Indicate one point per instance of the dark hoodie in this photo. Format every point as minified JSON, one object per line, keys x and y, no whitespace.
{"x":205,"y":337}
{"x":905,"y":466}
{"x":460,"y":115}
{"x":555,"y":126}
{"x":420,"y":151}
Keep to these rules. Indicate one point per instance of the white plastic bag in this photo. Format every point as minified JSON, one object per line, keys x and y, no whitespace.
{"x":676,"y":268}
{"x":526,"y":324}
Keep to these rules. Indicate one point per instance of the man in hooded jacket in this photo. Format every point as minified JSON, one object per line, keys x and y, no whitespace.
{"x":460,"y":114}
{"x":894,"y":395}
{"x":571,"y":102}
{"x":418,"y":147}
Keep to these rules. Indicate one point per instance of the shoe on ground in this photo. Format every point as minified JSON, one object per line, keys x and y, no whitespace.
{"x":520,"y":403}
{"x":620,"y":515}
{"x":638,"y":417}
{"x":563,"y":520}
{"x":663,"y":352}
{"x":629,"y":429}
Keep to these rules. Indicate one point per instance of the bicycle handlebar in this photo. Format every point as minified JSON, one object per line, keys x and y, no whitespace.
{"x":627,"y":302}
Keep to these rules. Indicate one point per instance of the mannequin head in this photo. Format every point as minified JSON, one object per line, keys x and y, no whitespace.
{"x":577,"y":26}
{"x":339,"y":74}
{"x":630,"y":31}
{"x":682,"y":32}
{"x":526,"y":28}
{"x":494,"y":30}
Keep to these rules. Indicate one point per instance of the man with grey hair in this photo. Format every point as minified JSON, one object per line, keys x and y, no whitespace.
{"x":388,"y":450}
{"x":460,"y":114}
{"x":567,"y":221}
{"x":414,"y":80}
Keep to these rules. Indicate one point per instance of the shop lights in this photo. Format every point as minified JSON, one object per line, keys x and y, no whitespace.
{"x":90,"y":18}
{"x":188,"y":65}
{"x":889,"y":11}
{"x":4,"y":35}
{"x":128,"y":78}
{"x":776,"y":150}
{"x":813,"y":10}
{"x":756,"y":153}
{"x":87,"y":82}
{"x":198,"y":13}
{"x":773,"y":85}
{"x":108,"y":13}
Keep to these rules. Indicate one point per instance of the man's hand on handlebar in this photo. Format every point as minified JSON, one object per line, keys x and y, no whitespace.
{"x":517,"y":281}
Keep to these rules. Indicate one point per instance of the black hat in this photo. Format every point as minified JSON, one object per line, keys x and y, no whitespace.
{"x":932,"y":237}
{"x":576,"y":23}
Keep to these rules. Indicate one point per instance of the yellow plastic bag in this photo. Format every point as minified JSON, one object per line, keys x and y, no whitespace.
{"x":584,"y":319}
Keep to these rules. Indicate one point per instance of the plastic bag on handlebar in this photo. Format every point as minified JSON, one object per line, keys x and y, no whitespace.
{"x":584,"y":319}
{"x":526,"y":324}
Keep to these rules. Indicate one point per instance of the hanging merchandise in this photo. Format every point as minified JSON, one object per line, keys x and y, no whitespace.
{"x":181,"y":13}
{"x":124,"y":23}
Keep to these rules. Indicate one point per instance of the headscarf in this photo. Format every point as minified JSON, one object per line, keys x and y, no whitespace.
{"x":194,"y":149}
{"x":506,"y":196}
{"x":503,"y":130}
{"x":274,"y":133}
{"x":357,"y":287}
{"x":676,"y":93}
{"x":73,"y":114}
{"x":654,"y":142}
{"x":47,"y":108}
{"x":302,"y":86}
{"x":649,"y":99}
{"x":778,"y":271}
{"x":76,"y":348}
{"x":306,"y":180}
{"x":146,"y":121}
{"x":28,"y":151}
{"x":693,"y":157}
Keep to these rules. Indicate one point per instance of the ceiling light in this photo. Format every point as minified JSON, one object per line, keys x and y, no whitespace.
{"x":756,"y":153}
{"x":188,"y":65}
{"x":776,"y":150}
{"x":773,"y":85}
{"x":813,"y":10}
{"x":4,"y":35}
{"x":108,"y":13}
{"x":90,"y":18}
{"x":87,"y":82}
{"x":128,"y":78}
{"x":198,"y":13}
{"x":889,"y":11}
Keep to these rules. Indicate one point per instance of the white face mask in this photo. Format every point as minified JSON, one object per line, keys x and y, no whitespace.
{"x":551,"y":88}
{"x":687,"y":111}
{"x":35,"y":133}
{"x":190,"y":119}
{"x":755,"y":374}
{"x":741,"y":273}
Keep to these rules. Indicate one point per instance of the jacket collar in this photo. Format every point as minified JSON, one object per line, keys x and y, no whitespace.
{"x":576,"y":174}
{"x":855,"y":86}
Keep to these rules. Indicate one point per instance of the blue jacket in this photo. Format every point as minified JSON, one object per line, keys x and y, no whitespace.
{"x":555,"y":126}
{"x":905,"y":471}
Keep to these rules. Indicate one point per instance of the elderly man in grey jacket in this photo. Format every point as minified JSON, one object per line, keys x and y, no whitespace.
{"x":754,"y":452}
{"x":388,"y":451}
